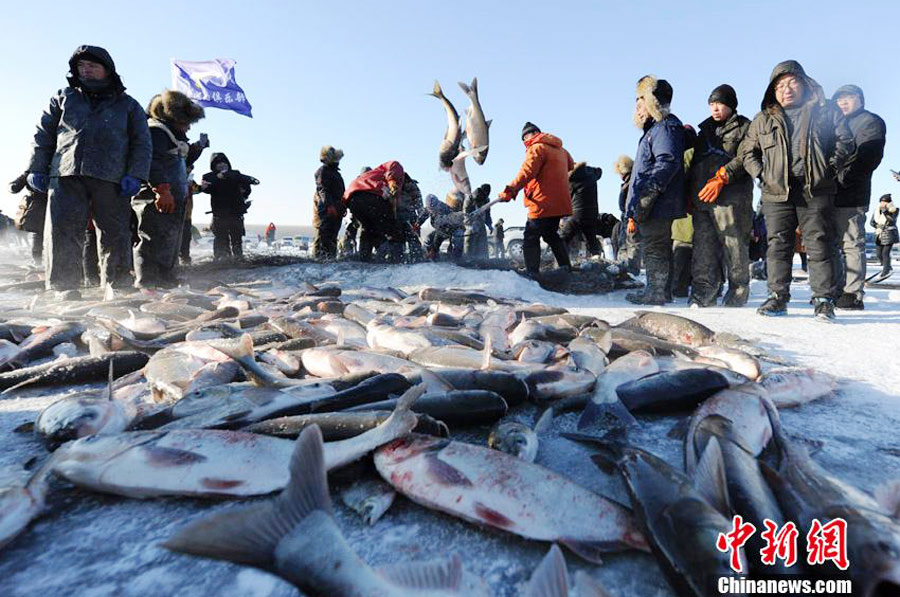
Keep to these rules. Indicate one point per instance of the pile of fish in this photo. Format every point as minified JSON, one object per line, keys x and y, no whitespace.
{"x":253,"y":390}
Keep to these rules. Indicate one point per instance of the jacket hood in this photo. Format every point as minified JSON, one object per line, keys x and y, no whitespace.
{"x":649,"y":89}
{"x":216,"y":158}
{"x":624,"y":164}
{"x":792,"y":67}
{"x":174,"y":107}
{"x":546,"y":139}
{"x":96,"y":54}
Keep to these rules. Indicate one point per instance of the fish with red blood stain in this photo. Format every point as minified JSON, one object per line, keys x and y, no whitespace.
{"x":492,"y":488}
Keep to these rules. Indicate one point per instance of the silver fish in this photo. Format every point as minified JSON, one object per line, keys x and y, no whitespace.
{"x":477,"y":128}
{"x":370,"y":498}
{"x":450,"y":144}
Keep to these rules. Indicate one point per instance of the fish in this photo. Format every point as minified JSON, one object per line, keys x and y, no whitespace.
{"x":806,"y":491}
{"x":519,"y":439}
{"x":672,"y":328}
{"x":789,"y":387}
{"x":20,"y":503}
{"x":450,"y":144}
{"x":477,"y":128}
{"x":513,"y":390}
{"x":556,"y":381}
{"x":535,"y":351}
{"x":74,"y":370}
{"x":456,"y":297}
{"x":295,"y":536}
{"x":736,"y":360}
{"x":340,"y":425}
{"x":455,"y":408}
{"x":172,"y":311}
{"x":489,"y":487}
{"x":604,"y":399}
{"x":181,"y":368}
{"x":671,"y":391}
{"x":40,"y":343}
{"x":383,"y":334}
{"x":532,"y":329}
{"x":243,"y":354}
{"x":599,"y":335}
{"x":588,"y":355}
{"x":207,"y":463}
{"x":679,"y":523}
{"x":370,"y":498}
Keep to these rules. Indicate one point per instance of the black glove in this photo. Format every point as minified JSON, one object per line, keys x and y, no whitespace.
{"x":644,"y":206}
{"x":18,"y":184}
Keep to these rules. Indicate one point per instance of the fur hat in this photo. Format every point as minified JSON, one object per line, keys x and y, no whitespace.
{"x":850,"y":90}
{"x":657,"y":95}
{"x":174,"y":107}
{"x":328,"y":155}
{"x":886,"y":198}
{"x":623,"y":165}
{"x":529,"y":128}
{"x":724,"y":94}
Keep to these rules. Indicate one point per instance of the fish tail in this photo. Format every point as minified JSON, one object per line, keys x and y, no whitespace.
{"x":249,"y":536}
{"x":437,"y":91}
{"x":406,"y":401}
{"x":550,"y":578}
{"x":486,"y":355}
{"x":596,"y":412}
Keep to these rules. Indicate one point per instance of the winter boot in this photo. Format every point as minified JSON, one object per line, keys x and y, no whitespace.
{"x":774,"y":306}
{"x":736,"y":296}
{"x":647,"y":297}
{"x":850,"y":302}
{"x":824,"y":309}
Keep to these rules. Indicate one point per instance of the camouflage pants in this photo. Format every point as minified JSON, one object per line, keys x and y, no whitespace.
{"x":721,"y":233}
{"x":325,"y":242}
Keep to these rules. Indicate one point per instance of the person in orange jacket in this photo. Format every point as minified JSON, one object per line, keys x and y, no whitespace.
{"x":545,"y":178}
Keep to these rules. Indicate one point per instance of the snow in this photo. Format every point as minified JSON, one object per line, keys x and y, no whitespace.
{"x":94,"y":545}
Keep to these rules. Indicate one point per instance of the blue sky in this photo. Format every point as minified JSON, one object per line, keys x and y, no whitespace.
{"x":355,"y":75}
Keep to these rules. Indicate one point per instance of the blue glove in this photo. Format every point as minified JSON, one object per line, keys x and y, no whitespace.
{"x":38,"y":182}
{"x":130,"y":186}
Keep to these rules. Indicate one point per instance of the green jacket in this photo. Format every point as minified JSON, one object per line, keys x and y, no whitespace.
{"x":765,"y":150}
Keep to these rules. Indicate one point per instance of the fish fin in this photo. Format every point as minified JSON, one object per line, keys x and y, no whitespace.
{"x":597,"y":412}
{"x":487,"y":123}
{"x":437,"y":91}
{"x":406,"y":400}
{"x":587,"y":550}
{"x":426,"y":576}
{"x":340,"y":342}
{"x":709,"y":477}
{"x":604,"y":463}
{"x":888,"y":497}
{"x":109,"y":381}
{"x":21,"y":384}
{"x":679,"y":430}
{"x":249,"y":535}
{"x":27,"y":427}
{"x":588,"y":586}
{"x":486,"y":354}
{"x":544,"y":422}
{"x":550,"y":578}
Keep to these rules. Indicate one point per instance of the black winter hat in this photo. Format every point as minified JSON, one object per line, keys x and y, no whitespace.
{"x":663,"y":92}
{"x":850,"y":90}
{"x":529,"y":128}
{"x":724,"y":94}
{"x":886,"y":198}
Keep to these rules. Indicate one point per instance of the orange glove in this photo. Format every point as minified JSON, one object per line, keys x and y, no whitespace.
{"x":507,"y":194}
{"x":632,"y":227}
{"x":165,"y":202}
{"x":710,"y":192}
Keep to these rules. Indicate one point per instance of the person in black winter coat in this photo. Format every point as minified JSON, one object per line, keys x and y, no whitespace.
{"x":583,"y":189}
{"x":328,"y":206}
{"x":854,"y":190}
{"x":884,"y":221}
{"x":91,"y":153}
{"x":228,"y":190}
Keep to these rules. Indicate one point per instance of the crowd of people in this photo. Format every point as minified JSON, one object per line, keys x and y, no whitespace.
{"x":110,"y":194}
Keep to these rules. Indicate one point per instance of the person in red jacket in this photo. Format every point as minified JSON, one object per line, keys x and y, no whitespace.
{"x":545,"y":177}
{"x":372,"y":199}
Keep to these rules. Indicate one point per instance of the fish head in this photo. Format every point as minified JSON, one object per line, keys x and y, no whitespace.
{"x":84,"y":457}
{"x":514,"y":438}
{"x":74,"y":418}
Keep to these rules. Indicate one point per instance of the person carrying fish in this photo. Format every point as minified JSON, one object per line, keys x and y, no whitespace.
{"x":409,"y":210}
{"x":721,"y":196}
{"x":328,"y":205}
{"x":91,"y":149}
{"x":794,"y":146}
{"x":446,"y":222}
{"x":656,"y":191}
{"x":160,"y":204}
{"x":544,"y":176}
{"x":585,"y":212}
{"x":372,"y":198}
{"x":476,"y":242}
{"x":228,"y":190}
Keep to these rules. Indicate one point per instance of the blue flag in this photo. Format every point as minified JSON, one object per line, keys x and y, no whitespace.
{"x":211,"y":84}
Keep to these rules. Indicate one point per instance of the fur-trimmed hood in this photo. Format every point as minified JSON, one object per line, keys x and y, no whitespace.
{"x":174,"y":107}
{"x":624,"y":164}
{"x":814,"y":92}
{"x":649,"y":88}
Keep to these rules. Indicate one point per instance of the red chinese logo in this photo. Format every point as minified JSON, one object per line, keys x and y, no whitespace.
{"x":824,"y":543}
{"x":780,"y":544}
{"x":735,"y":540}
{"x":827,"y":542}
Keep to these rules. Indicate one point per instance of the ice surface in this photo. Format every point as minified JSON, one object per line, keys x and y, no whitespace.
{"x":91,"y":545}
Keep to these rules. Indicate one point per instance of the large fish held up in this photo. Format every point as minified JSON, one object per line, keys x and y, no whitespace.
{"x":450,"y":144}
{"x":492,"y":488}
{"x":477,"y":128}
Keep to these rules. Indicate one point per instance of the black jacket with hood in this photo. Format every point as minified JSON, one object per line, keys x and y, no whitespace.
{"x":827,"y":144}
{"x":99,"y":133}
{"x":228,"y":190}
{"x":583,"y":188}
{"x":855,"y":180}
{"x":716,"y":147}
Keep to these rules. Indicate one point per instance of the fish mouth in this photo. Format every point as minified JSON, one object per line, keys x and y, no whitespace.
{"x":886,"y":584}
